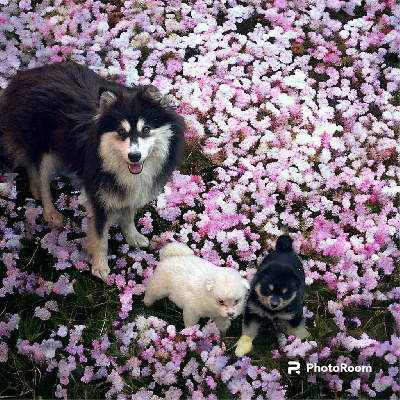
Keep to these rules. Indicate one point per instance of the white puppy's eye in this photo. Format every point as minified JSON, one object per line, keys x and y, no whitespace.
{"x":237,"y":301}
{"x":220,"y":302}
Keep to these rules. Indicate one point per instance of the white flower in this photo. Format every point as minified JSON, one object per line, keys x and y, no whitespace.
{"x":201,"y":27}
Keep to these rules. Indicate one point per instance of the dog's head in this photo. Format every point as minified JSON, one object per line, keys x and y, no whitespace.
{"x":226,"y":292}
{"x":136,"y":124}
{"x":277,"y":287}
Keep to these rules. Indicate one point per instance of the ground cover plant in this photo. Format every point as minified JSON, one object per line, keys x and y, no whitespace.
{"x":293,"y":116}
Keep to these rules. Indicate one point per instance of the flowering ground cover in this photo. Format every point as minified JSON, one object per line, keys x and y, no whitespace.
{"x":293,"y":117}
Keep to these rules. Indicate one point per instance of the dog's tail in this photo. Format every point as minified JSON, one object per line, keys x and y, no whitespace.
{"x":175,"y":249}
{"x":284,"y":243}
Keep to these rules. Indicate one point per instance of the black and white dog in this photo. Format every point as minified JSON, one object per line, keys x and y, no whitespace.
{"x":276,"y":296}
{"x":122,"y":142}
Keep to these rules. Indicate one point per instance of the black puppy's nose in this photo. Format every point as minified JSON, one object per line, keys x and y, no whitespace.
{"x":274,"y":304}
{"x":134,"y":156}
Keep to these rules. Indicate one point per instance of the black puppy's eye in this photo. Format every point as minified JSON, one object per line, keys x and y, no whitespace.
{"x":146,"y":130}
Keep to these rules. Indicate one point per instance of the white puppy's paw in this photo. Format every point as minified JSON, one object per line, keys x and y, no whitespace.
{"x":244,"y":345}
{"x":148,"y":300}
{"x":223,"y":324}
{"x":101,"y":271}
{"x":136,"y":239}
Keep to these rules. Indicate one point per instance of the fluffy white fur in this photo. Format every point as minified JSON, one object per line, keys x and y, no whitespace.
{"x":197,"y":286}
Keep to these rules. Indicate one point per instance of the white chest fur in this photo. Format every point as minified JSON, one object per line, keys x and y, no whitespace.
{"x":139,"y":189}
{"x":263,"y":313}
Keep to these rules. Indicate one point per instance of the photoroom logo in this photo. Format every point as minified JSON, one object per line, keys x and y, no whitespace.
{"x":293,"y":366}
{"x":338,"y":368}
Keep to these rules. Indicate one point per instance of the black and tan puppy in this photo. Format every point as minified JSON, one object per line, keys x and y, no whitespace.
{"x":276,"y":296}
{"x":122,"y":142}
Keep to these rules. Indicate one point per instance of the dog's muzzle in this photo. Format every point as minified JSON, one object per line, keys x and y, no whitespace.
{"x":135,"y":165}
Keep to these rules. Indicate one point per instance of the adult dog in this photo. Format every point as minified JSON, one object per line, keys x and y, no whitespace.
{"x":122,"y":142}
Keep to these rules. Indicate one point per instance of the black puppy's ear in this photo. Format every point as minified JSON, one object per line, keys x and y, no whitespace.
{"x":107,"y":98}
{"x":155,"y":95}
{"x":296,"y":279}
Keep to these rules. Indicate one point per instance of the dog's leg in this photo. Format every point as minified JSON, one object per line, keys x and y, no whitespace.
{"x":251,"y":324}
{"x":222,"y":323}
{"x":84,"y":201}
{"x":33,"y":175}
{"x":190,"y":318}
{"x":296,"y":328}
{"x":132,"y":236}
{"x":156,"y":288}
{"x":47,"y":169}
{"x":97,"y":242}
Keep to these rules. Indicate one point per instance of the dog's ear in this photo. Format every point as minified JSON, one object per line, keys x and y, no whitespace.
{"x":155,"y":95}
{"x":297,"y":279}
{"x":107,"y":98}
{"x":210,"y":283}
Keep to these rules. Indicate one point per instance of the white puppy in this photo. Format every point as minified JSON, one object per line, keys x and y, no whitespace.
{"x":200,"y":288}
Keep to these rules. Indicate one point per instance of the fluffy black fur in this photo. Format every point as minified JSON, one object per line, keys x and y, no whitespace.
{"x":56,"y":116}
{"x":51,"y":108}
{"x":276,"y":294}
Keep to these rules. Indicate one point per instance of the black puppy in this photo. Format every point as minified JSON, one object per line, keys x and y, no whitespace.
{"x":276,"y":296}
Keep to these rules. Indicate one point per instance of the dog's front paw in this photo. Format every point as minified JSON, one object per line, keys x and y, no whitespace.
{"x":301,"y":332}
{"x":244,"y":345}
{"x":223,"y":324}
{"x":53,"y":218}
{"x":148,"y":299}
{"x":137,"y":240}
{"x":101,"y":271}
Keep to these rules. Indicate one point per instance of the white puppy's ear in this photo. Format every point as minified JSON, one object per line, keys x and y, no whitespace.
{"x":210,"y":283}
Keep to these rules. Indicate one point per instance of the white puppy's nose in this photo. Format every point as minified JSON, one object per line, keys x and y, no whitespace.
{"x":230,"y":313}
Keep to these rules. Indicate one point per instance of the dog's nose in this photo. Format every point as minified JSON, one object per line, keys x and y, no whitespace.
{"x":230,"y":313}
{"x":274,"y":304}
{"x":134,"y":156}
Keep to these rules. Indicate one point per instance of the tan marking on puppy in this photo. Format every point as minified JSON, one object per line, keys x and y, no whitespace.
{"x":266,"y":300}
{"x":262,"y":312}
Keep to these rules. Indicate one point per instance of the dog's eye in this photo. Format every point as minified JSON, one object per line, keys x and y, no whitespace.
{"x":122,"y":132}
{"x":220,"y":302}
{"x":237,"y":301}
{"x":146,"y":130}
